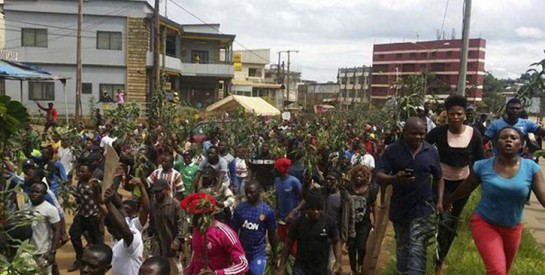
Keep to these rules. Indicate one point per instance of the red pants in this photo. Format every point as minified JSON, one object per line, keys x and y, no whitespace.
{"x":497,"y":245}
{"x":282,"y":230}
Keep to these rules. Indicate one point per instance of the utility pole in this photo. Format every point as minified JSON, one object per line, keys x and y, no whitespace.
{"x":78,"y":63}
{"x":278,"y":80}
{"x":463,"y":52}
{"x":156,"y":42}
{"x":288,"y":81}
{"x":164,"y":39}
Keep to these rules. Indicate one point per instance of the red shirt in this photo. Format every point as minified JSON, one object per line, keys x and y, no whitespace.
{"x":53,"y":115}
{"x":225,"y":253}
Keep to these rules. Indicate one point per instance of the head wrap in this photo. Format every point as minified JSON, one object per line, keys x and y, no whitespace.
{"x":282,"y":165}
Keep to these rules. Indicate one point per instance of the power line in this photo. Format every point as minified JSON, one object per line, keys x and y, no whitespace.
{"x":216,"y":29}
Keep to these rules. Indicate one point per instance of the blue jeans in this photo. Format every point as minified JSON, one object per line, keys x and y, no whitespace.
{"x":411,"y":242}
{"x":257,"y":265}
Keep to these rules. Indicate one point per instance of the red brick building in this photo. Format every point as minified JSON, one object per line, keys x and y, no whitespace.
{"x":440,"y":58}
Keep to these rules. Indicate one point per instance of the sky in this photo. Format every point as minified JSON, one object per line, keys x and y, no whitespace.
{"x":340,"y":33}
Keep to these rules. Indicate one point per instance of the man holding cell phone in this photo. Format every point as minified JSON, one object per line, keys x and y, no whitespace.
{"x":408,"y":165}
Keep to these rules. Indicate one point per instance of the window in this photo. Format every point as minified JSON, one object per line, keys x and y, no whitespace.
{"x":412,"y":54}
{"x":109,"y":40}
{"x":253,"y":72}
{"x":398,"y":55}
{"x":86,"y":88}
{"x":34,"y":37}
{"x":449,"y":53}
{"x":381,"y":56}
{"x":41,"y":91}
{"x":111,"y":89}
{"x":199,"y":57}
{"x":351,"y":80}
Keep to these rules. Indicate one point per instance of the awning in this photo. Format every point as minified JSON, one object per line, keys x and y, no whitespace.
{"x":255,"y":105}
{"x":18,"y":71}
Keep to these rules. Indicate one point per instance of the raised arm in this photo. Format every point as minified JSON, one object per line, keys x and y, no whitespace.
{"x":117,"y":218}
{"x":144,"y":201}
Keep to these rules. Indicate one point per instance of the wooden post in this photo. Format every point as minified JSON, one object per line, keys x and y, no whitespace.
{"x":374,"y":243}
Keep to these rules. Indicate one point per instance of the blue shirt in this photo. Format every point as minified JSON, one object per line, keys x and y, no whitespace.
{"x":524,"y":125}
{"x":502,"y":200}
{"x":287,"y":192}
{"x":55,"y":176}
{"x":411,"y":200}
{"x":252,"y":223}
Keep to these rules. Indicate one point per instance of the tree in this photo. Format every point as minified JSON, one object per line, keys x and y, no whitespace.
{"x":492,"y":88}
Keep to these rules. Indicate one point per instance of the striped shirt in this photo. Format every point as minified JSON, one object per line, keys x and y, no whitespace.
{"x":225,"y":253}
{"x":173,"y":177}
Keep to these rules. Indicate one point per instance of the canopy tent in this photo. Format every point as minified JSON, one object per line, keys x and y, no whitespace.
{"x":256,"y":105}
{"x":12,"y":70}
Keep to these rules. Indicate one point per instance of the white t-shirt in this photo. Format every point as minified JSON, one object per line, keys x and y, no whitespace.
{"x":46,"y":215}
{"x":366,"y":160}
{"x":127,"y":260}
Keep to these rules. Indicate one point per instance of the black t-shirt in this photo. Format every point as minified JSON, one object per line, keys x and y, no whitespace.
{"x":313,"y":241}
{"x":363,"y":203}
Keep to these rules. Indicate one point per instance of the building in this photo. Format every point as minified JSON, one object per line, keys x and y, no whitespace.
{"x":279,"y":74}
{"x":354,"y":84}
{"x":250,"y":79}
{"x":117,"y":52}
{"x":198,"y":62}
{"x":310,"y":94}
{"x":440,"y":58}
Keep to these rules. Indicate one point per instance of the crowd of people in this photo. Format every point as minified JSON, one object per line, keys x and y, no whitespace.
{"x":176,"y":207}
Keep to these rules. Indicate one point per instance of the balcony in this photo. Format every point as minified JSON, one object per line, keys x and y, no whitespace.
{"x":193,"y":69}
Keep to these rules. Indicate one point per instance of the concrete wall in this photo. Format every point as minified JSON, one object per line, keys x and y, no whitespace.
{"x":61,"y":48}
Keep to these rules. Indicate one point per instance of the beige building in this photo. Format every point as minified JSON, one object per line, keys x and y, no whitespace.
{"x":250,"y":78}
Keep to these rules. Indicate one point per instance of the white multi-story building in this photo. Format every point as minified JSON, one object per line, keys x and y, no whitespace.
{"x":354,"y":84}
{"x":117,"y":52}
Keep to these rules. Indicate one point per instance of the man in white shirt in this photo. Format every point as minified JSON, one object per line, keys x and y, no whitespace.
{"x":363,"y":158}
{"x":106,"y":140}
{"x":46,"y":228}
{"x":128,"y":249}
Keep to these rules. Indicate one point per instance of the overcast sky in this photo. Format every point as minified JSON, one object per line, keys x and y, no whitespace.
{"x":340,"y":33}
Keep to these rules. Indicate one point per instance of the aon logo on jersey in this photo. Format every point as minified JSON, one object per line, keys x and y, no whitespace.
{"x":250,"y":225}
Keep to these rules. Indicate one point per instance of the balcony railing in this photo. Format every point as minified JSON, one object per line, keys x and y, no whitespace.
{"x":193,"y":69}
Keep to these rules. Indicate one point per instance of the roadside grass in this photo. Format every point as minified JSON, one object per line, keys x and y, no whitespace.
{"x":463,"y":257}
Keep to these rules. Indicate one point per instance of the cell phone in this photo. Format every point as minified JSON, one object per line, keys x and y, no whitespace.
{"x":409,"y":171}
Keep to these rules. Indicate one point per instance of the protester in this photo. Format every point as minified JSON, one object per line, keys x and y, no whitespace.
{"x":219,"y":165}
{"x":408,"y":165}
{"x":50,"y":116}
{"x":87,"y":218}
{"x":459,"y":145}
{"x":155,"y":265}
{"x":55,"y":173}
{"x":46,"y":230}
{"x":513,"y":112}
{"x":170,"y":175}
{"x":363,"y":195}
{"x":241,"y":169}
{"x":216,"y":247}
{"x":262,"y":167}
{"x":166,"y":225}
{"x":223,"y":151}
{"x":96,"y":260}
{"x":506,"y":180}
{"x":314,"y":232}
{"x":188,"y":169}
{"x":120,"y":97}
{"x":253,"y":220}
{"x":128,"y":247}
